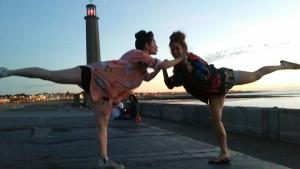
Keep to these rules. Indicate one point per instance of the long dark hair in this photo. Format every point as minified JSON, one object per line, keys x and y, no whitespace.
{"x":142,"y":38}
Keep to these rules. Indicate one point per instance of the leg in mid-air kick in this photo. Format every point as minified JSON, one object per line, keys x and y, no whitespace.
{"x":66,"y":76}
{"x":75,"y":76}
{"x":245,"y":77}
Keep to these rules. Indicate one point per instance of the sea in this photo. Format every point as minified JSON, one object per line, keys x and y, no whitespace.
{"x":267,"y":99}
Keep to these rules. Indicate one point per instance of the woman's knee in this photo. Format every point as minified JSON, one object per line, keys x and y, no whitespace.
{"x":265,"y":70}
{"x":258,"y":75}
{"x":102,"y":121}
{"x":38,"y":72}
{"x":249,"y":77}
{"x":215,"y":119}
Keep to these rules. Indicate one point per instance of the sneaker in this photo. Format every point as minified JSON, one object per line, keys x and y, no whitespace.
{"x":3,"y":72}
{"x":109,"y":164}
{"x":289,"y":65}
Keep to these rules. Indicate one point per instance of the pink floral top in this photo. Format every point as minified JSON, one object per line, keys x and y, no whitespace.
{"x":117,"y":78}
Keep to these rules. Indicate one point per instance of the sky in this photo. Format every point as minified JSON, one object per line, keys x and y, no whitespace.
{"x":241,"y":35}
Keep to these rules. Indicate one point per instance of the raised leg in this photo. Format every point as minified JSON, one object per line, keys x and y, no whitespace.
{"x":249,"y":77}
{"x":66,"y":76}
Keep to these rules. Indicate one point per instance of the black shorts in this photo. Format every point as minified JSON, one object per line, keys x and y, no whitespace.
{"x":85,"y":78}
{"x":228,"y":80}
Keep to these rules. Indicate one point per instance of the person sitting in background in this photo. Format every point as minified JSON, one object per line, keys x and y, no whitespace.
{"x":133,"y":108}
{"x":117,"y":111}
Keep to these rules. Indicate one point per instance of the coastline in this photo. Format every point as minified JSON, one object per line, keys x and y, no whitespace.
{"x":234,"y":94}
{"x":279,"y":99}
{"x":282,"y":99}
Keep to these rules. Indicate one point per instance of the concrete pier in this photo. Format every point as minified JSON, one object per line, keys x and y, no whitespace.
{"x":59,"y":136}
{"x":272,"y":123}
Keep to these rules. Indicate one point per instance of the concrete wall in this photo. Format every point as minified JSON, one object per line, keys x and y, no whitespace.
{"x":273,"y":123}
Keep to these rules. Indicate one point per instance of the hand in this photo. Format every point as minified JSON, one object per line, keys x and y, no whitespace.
{"x":162,"y":64}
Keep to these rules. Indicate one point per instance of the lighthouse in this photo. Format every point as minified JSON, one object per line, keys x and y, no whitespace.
{"x":92,"y":43}
{"x":92,"y":34}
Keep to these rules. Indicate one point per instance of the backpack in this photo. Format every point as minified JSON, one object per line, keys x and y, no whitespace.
{"x":200,"y":71}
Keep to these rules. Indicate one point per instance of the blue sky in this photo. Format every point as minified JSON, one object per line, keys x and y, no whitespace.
{"x":242,"y":35}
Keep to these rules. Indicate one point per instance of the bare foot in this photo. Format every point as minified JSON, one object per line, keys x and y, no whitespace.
{"x":220,"y":161}
{"x":289,"y":65}
{"x":224,"y":158}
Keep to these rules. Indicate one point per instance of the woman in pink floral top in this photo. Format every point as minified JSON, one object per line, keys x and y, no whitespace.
{"x":115,"y":79}
{"x":107,"y":82}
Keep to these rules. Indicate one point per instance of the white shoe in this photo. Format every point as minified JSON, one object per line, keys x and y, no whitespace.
{"x":3,"y":72}
{"x":109,"y":164}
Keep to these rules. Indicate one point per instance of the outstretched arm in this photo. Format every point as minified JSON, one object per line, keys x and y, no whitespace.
{"x":173,"y":81}
{"x":168,"y":80}
{"x":151,"y":75}
{"x":170,"y":63}
{"x":164,"y":65}
{"x":166,"y":76}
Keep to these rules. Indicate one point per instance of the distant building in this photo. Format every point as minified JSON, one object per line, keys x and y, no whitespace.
{"x":92,"y":34}
{"x":4,"y":101}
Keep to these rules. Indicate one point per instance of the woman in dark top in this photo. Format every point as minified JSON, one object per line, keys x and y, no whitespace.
{"x":209,"y":84}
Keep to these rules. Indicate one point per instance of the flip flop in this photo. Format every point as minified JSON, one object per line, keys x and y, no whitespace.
{"x":220,"y":161}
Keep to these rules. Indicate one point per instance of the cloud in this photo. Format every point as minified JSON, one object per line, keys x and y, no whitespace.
{"x":230,"y":52}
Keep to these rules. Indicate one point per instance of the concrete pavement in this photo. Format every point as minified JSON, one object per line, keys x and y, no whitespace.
{"x":59,"y":136}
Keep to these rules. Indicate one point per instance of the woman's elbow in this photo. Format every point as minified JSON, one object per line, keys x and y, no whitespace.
{"x":170,"y":86}
{"x":147,"y":79}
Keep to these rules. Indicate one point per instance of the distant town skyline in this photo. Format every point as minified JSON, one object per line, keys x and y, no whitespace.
{"x":242,"y":35}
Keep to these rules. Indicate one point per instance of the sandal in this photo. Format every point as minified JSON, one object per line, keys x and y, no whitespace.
{"x":220,"y":161}
{"x":289,"y":65}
